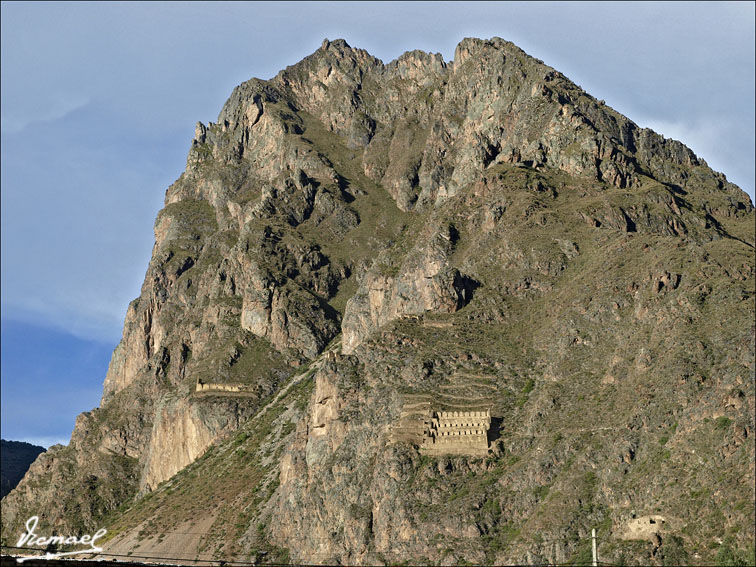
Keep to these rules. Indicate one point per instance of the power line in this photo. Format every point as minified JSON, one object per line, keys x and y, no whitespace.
{"x":159,"y":557}
{"x":219,"y":561}
{"x":326,"y":538}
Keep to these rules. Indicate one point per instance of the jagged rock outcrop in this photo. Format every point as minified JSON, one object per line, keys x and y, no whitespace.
{"x":423,"y":282}
{"x":481,"y":222}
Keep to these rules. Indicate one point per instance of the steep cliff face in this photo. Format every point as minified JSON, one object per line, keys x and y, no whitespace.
{"x":476,"y":226}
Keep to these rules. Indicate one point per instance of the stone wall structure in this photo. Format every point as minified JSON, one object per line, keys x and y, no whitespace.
{"x":458,"y":432}
{"x":233,"y":388}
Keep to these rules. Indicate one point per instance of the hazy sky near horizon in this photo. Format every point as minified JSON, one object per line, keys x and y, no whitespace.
{"x":99,"y":103}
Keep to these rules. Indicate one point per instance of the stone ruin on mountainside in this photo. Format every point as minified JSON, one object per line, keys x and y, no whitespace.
{"x":453,"y":418}
{"x":457,"y":432}
{"x":202,"y":386}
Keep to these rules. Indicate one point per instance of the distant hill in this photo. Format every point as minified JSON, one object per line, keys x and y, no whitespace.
{"x":15,"y":459}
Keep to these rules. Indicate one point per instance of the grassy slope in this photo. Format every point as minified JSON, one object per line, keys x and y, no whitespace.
{"x":604,"y":350}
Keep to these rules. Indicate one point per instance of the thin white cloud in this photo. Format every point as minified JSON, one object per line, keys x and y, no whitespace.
{"x":48,"y":109}
{"x":72,"y":315}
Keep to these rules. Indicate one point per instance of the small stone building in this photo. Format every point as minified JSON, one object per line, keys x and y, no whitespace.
{"x":220,"y":388}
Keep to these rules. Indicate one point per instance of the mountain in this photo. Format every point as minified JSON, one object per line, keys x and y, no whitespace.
{"x":15,"y":458}
{"x":355,"y":244}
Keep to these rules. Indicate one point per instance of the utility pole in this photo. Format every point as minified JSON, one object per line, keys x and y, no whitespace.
{"x":593,"y":542}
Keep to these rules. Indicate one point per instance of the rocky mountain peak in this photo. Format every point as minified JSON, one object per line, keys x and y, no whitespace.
{"x":499,"y":105}
{"x":335,"y":63}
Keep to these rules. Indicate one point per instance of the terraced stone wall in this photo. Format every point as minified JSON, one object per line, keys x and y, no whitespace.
{"x":458,"y":431}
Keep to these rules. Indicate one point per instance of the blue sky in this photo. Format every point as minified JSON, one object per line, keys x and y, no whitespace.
{"x":99,"y":103}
